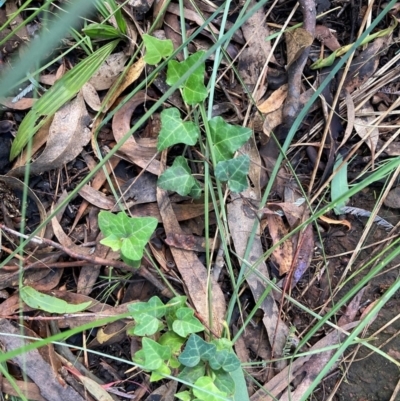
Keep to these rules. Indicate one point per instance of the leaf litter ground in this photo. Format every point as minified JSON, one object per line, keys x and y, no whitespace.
{"x":79,"y":280}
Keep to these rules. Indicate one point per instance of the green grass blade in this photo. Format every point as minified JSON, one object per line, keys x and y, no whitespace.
{"x":62,"y":91}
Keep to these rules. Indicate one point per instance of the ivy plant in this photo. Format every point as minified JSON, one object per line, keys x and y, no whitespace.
{"x":126,"y":234}
{"x":170,"y":345}
{"x":225,"y":138}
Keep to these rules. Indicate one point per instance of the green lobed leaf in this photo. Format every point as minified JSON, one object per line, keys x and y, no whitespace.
{"x":224,"y":381}
{"x":186,"y":323}
{"x":184,"y":395}
{"x":339,"y":185}
{"x":157,"y":49}
{"x":63,"y":90}
{"x":196,"y":349}
{"x":154,"y":354}
{"x":227,"y":138}
{"x":47,"y":303}
{"x":207,"y":383}
{"x":173,"y":341}
{"x":174,"y":130}
{"x":224,"y":359}
{"x":172,"y":306}
{"x":191,"y":374}
{"x":130,"y":234}
{"x":177,"y":178}
{"x":160,"y":373}
{"x":147,"y":316}
{"x":235,"y":172}
{"x":194,"y":90}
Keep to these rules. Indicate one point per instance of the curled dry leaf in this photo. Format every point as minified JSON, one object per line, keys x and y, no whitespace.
{"x":365,"y":128}
{"x":139,"y":151}
{"x":68,"y":134}
{"x":21,"y":104}
{"x":326,"y":36}
{"x":332,"y":221}
{"x":274,"y":101}
{"x":108,"y":73}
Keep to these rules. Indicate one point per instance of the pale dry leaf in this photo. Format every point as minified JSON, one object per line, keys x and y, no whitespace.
{"x":241,"y":220}
{"x":335,"y":222}
{"x":350,"y":118}
{"x":365,"y":129}
{"x":91,"y":96}
{"x":296,"y":41}
{"x":274,"y":101}
{"x":108,"y":72}
{"x":130,"y":76}
{"x":68,"y":134}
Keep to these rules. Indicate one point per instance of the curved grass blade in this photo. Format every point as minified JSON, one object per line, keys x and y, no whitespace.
{"x":62,"y":91}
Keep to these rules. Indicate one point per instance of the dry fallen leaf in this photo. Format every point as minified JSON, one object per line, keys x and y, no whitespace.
{"x":68,"y":134}
{"x":108,"y":73}
{"x":274,"y":101}
{"x":91,"y":96}
{"x":325,"y":36}
{"x":332,"y":221}
{"x":364,"y":129}
{"x":296,"y":41}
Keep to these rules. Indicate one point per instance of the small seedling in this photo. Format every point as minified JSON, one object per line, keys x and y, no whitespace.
{"x":126,"y":234}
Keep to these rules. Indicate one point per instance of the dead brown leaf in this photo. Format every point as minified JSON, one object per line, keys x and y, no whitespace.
{"x":332,"y":221}
{"x":21,"y":104}
{"x":68,"y":134}
{"x":365,"y":129}
{"x":193,"y":272}
{"x":274,"y":101}
{"x":326,"y":36}
{"x":296,"y":41}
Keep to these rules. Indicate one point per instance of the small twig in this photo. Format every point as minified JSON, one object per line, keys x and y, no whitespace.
{"x":95,"y":260}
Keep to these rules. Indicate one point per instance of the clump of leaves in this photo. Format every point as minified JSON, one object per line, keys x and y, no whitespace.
{"x":205,"y":365}
{"x":225,"y":138}
{"x":126,"y":234}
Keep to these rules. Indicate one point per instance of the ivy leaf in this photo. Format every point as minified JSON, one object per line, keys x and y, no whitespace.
{"x":47,"y":303}
{"x":224,"y":359}
{"x":128,"y":234}
{"x":235,"y":172}
{"x":186,"y":323}
{"x":174,"y":130}
{"x":194,"y":90}
{"x":211,"y":394}
{"x":227,"y":138}
{"x":224,"y":382}
{"x":160,"y":373}
{"x":173,"y":341}
{"x":196,"y":349}
{"x":192,"y":374}
{"x":184,"y":395}
{"x":156,"y":49}
{"x":147,"y":316}
{"x":196,"y":190}
{"x":177,"y":178}
{"x":172,"y":306}
{"x":154,"y":354}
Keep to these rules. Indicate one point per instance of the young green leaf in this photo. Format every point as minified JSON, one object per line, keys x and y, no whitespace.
{"x":160,"y":373}
{"x":196,"y":349}
{"x":186,"y":323}
{"x":174,"y":130}
{"x":227,"y":138}
{"x":177,"y":178}
{"x":172,"y":306}
{"x":184,"y":396}
{"x":223,"y":380}
{"x":156,"y":49}
{"x":129,"y":234}
{"x":173,"y":341}
{"x":235,"y":172}
{"x":147,"y":316}
{"x":224,"y":359}
{"x":191,"y":374}
{"x":339,"y":184}
{"x":47,"y":303}
{"x":63,"y":90}
{"x":207,"y":384}
{"x":194,"y":90}
{"x":154,"y":354}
